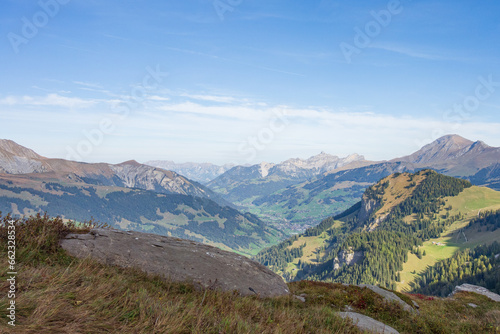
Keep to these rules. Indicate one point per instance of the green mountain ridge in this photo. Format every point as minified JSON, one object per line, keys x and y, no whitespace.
{"x":373,"y":241}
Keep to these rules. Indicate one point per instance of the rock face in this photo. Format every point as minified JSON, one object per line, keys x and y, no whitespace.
{"x":135,"y":175}
{"x":476,"y":289}
{"x":348,"y":257}
{"x":368,"y":324}
{"x":368,"y":206}
{"x":178,"y":260}
{"x":17,"y":159}
{"x":389,"y":297}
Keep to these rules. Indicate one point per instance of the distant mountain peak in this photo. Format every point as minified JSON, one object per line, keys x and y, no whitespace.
{"x":322,"y":155}
{"x":454,"y":138}
{"x":455,"y":155}
{"x":131,"y":163}
{"x":11,"y":147}
{"x":480,"y":144}
{"x":452,"y":141}
{"x":354,"y":157}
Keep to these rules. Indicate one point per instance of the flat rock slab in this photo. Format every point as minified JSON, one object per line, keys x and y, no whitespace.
{"x":389,"y":297}
{"x":178,"y":260}
{"x":476,"y":289}
{"x":365,"y":323}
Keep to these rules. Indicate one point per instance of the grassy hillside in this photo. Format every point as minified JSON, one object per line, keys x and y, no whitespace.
{"x":60,"y":294}
{"x":468,"y":203}
{"x":478,"y":266}
{"x":177,"y":215}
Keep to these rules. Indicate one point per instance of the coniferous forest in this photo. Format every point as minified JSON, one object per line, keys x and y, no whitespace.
{"x":383,"y":250}
{"x":480,"y":266}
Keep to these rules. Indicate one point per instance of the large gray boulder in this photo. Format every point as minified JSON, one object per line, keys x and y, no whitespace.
{"x":178,"y":260}
{"x":368,"y":324}
{"x":476,"y":289}
{"x":389,"y":297}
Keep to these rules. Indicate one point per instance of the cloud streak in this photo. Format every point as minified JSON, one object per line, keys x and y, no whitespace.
{"x":50,"y":100}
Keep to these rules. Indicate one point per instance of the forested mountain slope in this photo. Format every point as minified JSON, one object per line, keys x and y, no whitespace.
{"x":371,"y":242}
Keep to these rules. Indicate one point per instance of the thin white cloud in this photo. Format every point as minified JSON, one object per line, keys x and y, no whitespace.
{"x":116,"y":37}
{"x":229,"y":111}
{"x":87,"y":84}
{"x":409,"y":52}
{"x":211,"y":98}
{"x":158,"y":98}
{"x":54,"y":100}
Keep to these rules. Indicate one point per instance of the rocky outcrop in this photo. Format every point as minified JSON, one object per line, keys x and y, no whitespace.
{"x":177,"y":260}
{"x":264,"y":168}
{"x":348,"y":257}
{"x":136,"y":175}
{"x":21,"y":165}
{"x":368,"y":324}
{"x":476,"y":289}
{"x":389,"y":297}
{"x":368,"y":206}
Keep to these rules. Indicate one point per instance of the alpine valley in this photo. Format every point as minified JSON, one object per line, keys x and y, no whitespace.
{"x":297,"y":194}
{"x":421,"y":224}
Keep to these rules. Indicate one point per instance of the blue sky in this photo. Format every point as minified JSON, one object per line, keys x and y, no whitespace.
{"x":240,"y":81}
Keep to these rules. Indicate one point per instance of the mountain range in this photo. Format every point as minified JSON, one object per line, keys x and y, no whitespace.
{"x":300,"y":197}
{"x":16,"y":159}
{"x":289,"y":197}
{"x":129,"y":195}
